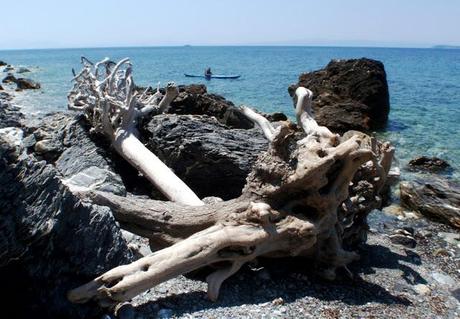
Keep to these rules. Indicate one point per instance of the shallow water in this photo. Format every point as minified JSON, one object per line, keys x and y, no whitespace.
{"x":424,"y":83}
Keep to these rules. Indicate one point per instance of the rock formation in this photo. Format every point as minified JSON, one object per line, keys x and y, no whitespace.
{"x":429,"y":164}
{"x":49,"y":240}
{"x":27,"y":84}
{"x":349,"y":94}
{"x":437,"y":199}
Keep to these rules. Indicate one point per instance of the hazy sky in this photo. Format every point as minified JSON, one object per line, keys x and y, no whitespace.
{"x":96,"y":23}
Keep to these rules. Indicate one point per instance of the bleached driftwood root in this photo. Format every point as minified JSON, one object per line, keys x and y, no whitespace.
{"x":289,"y":207}
{"x":105,"y":93}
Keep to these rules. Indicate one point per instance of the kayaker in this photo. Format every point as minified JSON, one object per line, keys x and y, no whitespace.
{"x":207,"y":72}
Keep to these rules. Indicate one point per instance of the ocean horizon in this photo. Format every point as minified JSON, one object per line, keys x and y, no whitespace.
{"x":424,"y":83}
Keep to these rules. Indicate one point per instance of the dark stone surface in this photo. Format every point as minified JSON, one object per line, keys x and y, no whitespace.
{"x":436,"y":198}
{"x":349,"y":94}
{"x":3,"y":63}
{"x":212,"y":159}
{"x":27,"y":84}
{"x":1,"y":88}
{"x":63,"y":139}
{"x":10,"y":78}
{"x":50,"y":242}
{"x":10,"y":116}
{"x":429,"y":164}
{"x":194,"y":99}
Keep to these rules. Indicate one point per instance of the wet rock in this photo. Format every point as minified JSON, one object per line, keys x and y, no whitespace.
{"x":3,"y":63}
{"x":22,"y":70}
{"x":430,"y":164}
{"x":437,"y":199}
{"x":50,"y":241}
{"x":349,"y":94}
{"x":10,"y":78}
{"x":1,"y":88}
{"x":27,"y":84}
{"x":208,"y":156}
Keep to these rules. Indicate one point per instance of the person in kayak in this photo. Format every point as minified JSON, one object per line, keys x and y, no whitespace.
{"x":207,"y":72}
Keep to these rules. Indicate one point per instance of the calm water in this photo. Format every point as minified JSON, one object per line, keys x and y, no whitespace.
{"x":424,"y":83}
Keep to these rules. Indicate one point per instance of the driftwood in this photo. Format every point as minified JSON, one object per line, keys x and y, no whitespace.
{"x":288,"y":207}
{"x":113,"y":108}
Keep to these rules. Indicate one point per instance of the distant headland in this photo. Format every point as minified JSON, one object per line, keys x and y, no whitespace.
{"x":451,"y":47}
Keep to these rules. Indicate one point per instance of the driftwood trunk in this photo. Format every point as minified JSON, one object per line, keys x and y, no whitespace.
{"x":289,"y":207}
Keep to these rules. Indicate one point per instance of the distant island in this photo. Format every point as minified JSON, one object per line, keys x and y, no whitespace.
{"x":457,"y":47}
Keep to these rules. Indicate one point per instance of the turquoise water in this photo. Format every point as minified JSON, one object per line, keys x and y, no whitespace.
{"x":424,"y":83}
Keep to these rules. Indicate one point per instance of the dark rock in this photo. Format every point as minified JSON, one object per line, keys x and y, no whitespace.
{"x":194,"y":99}
{"x":1,"y":88}
{"x":210,"y":158}
{"x":430,"y":164}
{"x":275,"y":117}
{"x":10,"y":116}
{"x":10,"y":78}
{"x":3,"y":63}
{"x":349,"y":94}
{"x":50,"y":242}
{"x":63,"y":140}
{"x":437,"y":199}
{"x":27,"y":84}
{"x":403,"y":239}
{"x":22,"y":70}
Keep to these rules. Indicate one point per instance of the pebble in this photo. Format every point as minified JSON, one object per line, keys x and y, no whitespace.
{"x":278,"y":301}
{"x":422,"y":289}
{"x":444,"y":279}
{"x":404,"y":240}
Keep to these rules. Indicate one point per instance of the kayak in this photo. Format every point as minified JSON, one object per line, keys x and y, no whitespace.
{"x":213,"y":76}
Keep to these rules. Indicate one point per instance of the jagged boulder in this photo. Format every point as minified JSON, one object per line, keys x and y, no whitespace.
{"x":437,"y":199}
{"x":194,"y":99}
{"x":27,"y":84}
{"x":10,"y":78}
{"x":10,"y":116}
{"x":208,"y":156}
{"x":429,"y":164}
{"x":50,"y":241}
{"x":349,"y":94}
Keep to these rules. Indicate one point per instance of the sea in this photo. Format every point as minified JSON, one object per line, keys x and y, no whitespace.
{"x":424,"y":84}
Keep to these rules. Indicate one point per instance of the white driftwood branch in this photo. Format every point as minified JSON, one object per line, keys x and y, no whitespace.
{"x":111,"y":105}
{"x":267,"y":128}
{"x":304,"y":114}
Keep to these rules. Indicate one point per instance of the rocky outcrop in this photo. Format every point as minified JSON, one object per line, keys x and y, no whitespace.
{"x":10,"y":116}
{"x":3,"y":63}
{"x":22,"y":70}
{"x":27,"y":84}
{"x":10,"y":78}
{"x":194,"y":99}
{"x":50,"y":242}
{"x":436,"y":198}
{"x":349,"y":94}
{"x":208,"y":156}
{"x":429,"y":164}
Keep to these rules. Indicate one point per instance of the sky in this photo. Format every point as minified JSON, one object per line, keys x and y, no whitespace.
{"x":113,"y":23}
